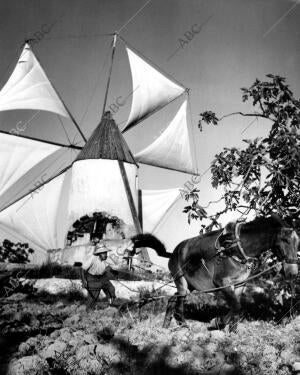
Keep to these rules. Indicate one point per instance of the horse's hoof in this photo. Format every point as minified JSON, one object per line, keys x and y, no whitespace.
{"x":166,"y":324}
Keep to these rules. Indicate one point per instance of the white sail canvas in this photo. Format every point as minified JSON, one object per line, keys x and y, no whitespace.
{"x":29,"y":88}
{"x":17,"y":156}
{"x":39,"y":219}
{"x":151,"y":89}
{"x":155,"y":205}
{"x":172,"y":148}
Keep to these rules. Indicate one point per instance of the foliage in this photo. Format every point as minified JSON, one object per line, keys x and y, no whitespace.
{"x":95,"y":225}
{"x":14,"y":253}
{"x":264,"y":176}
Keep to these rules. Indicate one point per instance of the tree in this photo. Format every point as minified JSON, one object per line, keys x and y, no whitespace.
{"x":264,"y":176}
{"x":14,"y":253}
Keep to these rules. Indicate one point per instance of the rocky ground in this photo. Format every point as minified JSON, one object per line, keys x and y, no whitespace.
{"x":51,"y":335}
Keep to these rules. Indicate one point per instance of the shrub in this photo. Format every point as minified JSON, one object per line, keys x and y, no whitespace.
{"x":15,"y":253}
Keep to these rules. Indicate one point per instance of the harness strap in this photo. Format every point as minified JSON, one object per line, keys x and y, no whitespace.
{"x":238,"y":241}
{"x":292,"y":261}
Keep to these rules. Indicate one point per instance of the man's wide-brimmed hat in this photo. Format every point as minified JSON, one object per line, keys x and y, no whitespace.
{"x":100,"y":249}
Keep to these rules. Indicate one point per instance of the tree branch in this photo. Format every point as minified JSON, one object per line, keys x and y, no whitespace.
{"x":246,"y":115}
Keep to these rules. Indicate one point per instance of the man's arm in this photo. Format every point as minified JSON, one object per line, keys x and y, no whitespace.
{"x":111,"y":272}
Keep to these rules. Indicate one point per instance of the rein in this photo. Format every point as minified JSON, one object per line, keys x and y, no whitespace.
{"x":143,"y":301}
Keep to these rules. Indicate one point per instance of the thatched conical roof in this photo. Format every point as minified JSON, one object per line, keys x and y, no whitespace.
{"x":107,"y":142}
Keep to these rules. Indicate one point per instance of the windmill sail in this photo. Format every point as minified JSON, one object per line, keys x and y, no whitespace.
{"x":17,"y":156}
{"x":29,"y":88}
{"x":172,"y":148}
{"x":151,"y":89}
{"x":156,"y":204}
{"x":26,"y":165}
{"x":39,"y":219}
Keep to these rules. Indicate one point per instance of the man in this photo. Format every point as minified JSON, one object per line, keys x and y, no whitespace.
{"x":95,"y":275}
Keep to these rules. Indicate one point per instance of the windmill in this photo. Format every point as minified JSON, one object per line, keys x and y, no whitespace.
{"x":100,"y":177}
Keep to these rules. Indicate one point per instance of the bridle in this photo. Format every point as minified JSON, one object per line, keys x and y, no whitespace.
{"x":285,"y":259}
{"x":242,"y":256}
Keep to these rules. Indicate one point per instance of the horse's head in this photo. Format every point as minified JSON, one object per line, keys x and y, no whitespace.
{"x":286,"y":247}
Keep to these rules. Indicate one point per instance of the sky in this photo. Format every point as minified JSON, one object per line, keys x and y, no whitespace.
{"x":238,"y":41}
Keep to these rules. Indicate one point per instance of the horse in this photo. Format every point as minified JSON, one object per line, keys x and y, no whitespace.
{"x":220,"y":259}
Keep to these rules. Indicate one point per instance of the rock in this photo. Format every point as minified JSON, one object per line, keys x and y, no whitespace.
{"x":90,"y":339}
{"x":107,"y":353}
{"x":85,"y":351}
{"x":28,"y":346}
{"x":288,"y":356}
{"x":217,"y":335}
{"x":111,"y":312}
{"x":107,"y":333}
{"x":65,"y":335}
{"x":54,"y":350}
{"x":81,"y":309}
{"x":74,"y":319}
{"x":17,"y":297}
{"x":24,"y":348}
{"x":181,"y":336}
{"x":91,"y":366}
{"x":75,"y":342}
{"x":296,"y":367}
{"x":224,"y":369}
{"x":78,"y":334}
{"x":27,"y":365}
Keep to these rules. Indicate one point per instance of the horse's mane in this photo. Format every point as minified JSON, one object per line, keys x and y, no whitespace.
{"x":264,"y":223}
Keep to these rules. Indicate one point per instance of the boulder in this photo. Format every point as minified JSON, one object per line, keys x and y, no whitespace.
{"x":54,"y":350}
{"x":217,"y":335}
{"x":107,"y":353}
{"x":17,"y":297}
{"x":27,"y":365}
{"x":85,"y":352}
{"x":90,"y":339}
{"x":296,"y":367}
{"x":111,"y":312}
{"x":65,"y":335}
{"x":74,"y":319}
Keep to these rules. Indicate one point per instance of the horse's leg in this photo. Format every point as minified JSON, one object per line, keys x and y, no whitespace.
{"x":170,"y":311}
{"x":232,"y":298}
{"x":179,"y":310}
{"x":176,"y":303}
{"x":236,"y":308}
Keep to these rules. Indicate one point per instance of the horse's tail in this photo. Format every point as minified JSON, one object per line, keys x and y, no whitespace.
{"x":148,"y":240}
